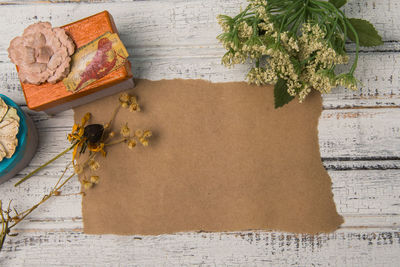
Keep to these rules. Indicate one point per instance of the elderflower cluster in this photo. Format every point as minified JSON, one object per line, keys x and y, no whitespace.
{"x":245,"y":30}
{"x":247,"y":43}
{"x":301,"y":55}
{"x":255,"y":3}
{"x":224,"y":25}
{"x":319,"y":61}
{"x":305,"y":62}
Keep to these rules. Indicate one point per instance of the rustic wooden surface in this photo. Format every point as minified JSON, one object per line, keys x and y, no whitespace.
{"x":359,"y":136}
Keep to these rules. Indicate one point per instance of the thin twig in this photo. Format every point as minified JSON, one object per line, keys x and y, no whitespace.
{"x":113,"y":116}
{"x":4,"y":226}
{"x":44,"y":165}
{"x":65,"y":170}
{"x":45,"y":198}
{"x":116,"y":142}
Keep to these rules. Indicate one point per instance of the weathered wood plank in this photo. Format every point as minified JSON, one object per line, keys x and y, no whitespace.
{"x":378,"y":73}
{"x":368,"y":133}
{"x":374,"y":192}
{"x":375,"y":247}
{"x":24,"y":2}
{"x":177,"y":40}
{"x":368,"y":198}
{"x":178,"y":22}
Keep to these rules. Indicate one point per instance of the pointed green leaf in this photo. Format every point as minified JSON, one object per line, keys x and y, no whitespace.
{"x":281,"y":95}
{"x":338,"y":3}
{"x":367,"y":33}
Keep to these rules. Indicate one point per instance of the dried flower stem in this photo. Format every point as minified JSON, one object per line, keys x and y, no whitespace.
{"x":62,"y":175}
{"x":113,"y":116}
{"x":44,"y":165}
{"x":116,"y":142}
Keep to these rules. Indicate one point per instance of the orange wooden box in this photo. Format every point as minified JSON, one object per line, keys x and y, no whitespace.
{"x":53,"y":98}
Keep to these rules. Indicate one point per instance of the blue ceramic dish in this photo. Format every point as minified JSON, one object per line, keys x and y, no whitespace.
{"x":27,"y":142}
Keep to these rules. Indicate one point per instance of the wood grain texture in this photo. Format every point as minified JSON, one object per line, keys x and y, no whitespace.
{"x":176,"y":39}
{"x":378,"y":71}
{"x":367,"y":198}
{"x":358,"y":131}
{"x":373,"y":247}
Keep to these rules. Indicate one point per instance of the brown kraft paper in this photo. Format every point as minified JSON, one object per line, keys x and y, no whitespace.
{"x":221,"y":159}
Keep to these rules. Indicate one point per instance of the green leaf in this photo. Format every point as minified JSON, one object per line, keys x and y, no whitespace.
{"x":281,"y":95}
{"x":338,"y":3}
{"x":367,"y":33}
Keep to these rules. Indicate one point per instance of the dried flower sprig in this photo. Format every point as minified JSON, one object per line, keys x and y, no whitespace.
{"x":93,"y":138}
{"x":295,"y":45}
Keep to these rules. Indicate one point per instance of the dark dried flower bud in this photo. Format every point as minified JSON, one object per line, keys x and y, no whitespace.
{"x":93,"y":133}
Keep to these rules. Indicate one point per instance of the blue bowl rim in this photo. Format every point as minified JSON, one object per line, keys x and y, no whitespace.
{"x":7,"y":165}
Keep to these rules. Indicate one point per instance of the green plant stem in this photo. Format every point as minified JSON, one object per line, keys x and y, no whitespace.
{"x":299,"y":21}
{"x":329,"y":36}
{"x":44,"y":165}
{"x":289,"y":9}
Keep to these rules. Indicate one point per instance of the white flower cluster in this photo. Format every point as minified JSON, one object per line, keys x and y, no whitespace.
{"x":255,"y":3}
{"x":305,"y":62}
{"x":248,"y":44}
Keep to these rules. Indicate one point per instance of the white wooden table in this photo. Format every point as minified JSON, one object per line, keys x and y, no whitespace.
{"x":359,"y":137}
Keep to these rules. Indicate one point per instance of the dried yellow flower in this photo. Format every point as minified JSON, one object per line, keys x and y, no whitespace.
{"x":139,"y":133}
{"x":86,"y":118}
{"x":124,"y":105}
{"x":131,"y":143}
{"x":124,"y":98}
{"x":144,"y":141}
{"x":111,"y":134}
{"x":94,"y":165}
{"x":87,"y":184}
{"x":78,"y":169}
{"x":134,"y":107}
{"x":147,"y":134}
{"x":133,"y":104}
{"x":143,"y":136}
{"x":125,"y":131}
{"x":75,"y":127}
{"x":133,"y":99}
{"x":94,"y":179}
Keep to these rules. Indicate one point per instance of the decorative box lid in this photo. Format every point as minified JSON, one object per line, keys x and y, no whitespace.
{"x":47,"y":96}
